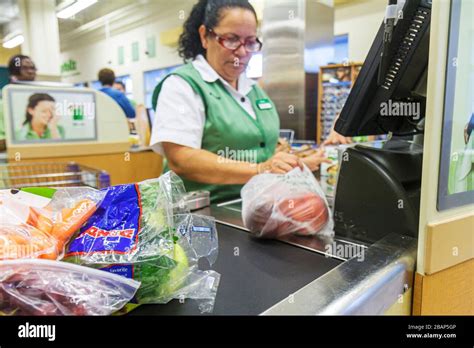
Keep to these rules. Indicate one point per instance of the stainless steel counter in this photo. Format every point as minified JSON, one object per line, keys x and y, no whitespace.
{"x":301,"y":275}
{"x":363,"y":285}
{"x":372,"y":278}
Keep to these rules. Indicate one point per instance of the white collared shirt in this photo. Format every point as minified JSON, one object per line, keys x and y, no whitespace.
{"x":180,"y":114}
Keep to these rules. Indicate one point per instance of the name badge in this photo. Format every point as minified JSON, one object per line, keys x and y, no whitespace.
{"x":264,"y":104}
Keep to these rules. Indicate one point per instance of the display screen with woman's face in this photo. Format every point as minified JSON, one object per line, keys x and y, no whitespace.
{"x":51,"y":115}
{"x":43,"y":112}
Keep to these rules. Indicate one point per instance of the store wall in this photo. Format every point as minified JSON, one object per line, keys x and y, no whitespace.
{"x":6,"y":54}
{"x":361,"y":21}
{"x":91,"y":57}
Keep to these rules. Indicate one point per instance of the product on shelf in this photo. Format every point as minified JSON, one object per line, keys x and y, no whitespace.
{"x":335,"y":85}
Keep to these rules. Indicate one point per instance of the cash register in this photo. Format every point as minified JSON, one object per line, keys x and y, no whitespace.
{"x":378,"y":186}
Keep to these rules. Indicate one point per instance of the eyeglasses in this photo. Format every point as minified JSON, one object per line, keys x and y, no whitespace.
{"x":28,"y":67}
{"x":233,"y":43}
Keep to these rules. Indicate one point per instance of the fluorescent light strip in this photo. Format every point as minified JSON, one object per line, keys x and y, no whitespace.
{"x":75,"y":8}
{"x":14,"y":41}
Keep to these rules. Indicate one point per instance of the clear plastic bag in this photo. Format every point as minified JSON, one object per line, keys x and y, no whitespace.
{"x":275,"y":205}
{"x":27,"y":221}
{"x":133,"y":234}
{"x":25,"y":241}
{"x":132,"y":224}
{"x":198,"y":240}
{"x":45,"y":287}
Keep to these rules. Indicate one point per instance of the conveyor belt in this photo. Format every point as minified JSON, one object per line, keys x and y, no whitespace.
{"x":264,"y":273}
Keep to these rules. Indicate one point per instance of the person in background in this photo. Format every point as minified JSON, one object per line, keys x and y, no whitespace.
{"x":107,"y":79}
{"x":41,"y":121}
{"x":120,"y":86}
{"x":20,"y":68}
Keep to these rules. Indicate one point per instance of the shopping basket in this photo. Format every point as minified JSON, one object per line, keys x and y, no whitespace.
{"x":51,"y":174}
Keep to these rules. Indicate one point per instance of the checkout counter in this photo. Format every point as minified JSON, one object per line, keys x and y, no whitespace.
{"x":299,"y":276}
{"x":295,"y":275}
{"x":413,"y":236}
{"x":303,"y":275}
{"x":95,"y":134}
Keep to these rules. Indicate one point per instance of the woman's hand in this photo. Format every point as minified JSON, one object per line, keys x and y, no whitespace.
{"x":53,"y":125}
{"x":314,"y":161}
{"x":280,"y":163}
{"x":335,"y":138}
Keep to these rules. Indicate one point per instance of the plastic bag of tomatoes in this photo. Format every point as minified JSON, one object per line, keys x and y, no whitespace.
{"x":275,"y":205}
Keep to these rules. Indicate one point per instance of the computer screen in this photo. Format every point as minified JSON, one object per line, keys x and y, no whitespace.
{"x":51,"y":115}
{"x":456,"y":180}
{"x":396,"y":102}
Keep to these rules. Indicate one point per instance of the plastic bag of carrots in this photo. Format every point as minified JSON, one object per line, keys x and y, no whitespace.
{"x":35,"y":227}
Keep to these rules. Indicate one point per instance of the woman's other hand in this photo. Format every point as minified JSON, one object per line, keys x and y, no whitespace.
{"x":314,"y":161}
{"x":280,"y":163}
{"x":335,"y":138}
{"x":53,"y":124}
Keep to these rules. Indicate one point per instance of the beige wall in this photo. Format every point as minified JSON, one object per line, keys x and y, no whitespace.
{"x":92,"y":51}
{"x":5,"y":54}
{"x":360,"y":19}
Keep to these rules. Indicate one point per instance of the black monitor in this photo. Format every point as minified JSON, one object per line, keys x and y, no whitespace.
{"x":391,"y":97}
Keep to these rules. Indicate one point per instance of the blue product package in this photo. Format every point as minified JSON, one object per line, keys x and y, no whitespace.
{"x":115,"y":225}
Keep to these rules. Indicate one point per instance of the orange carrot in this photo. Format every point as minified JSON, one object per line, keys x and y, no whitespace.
{"x":71,"y":220}
{"x":25,"y":241}
{"x":40,"y":220}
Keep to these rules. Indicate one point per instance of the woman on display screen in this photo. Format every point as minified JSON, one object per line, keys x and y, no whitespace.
{"x":217,"y":128}
{"x":41,"y":120}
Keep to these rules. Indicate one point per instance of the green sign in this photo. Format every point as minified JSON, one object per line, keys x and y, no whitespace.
{"x":121,"y":55}
{"x":151,"y":47}
{"x":135,"y":54}
{"x":69,"y":66}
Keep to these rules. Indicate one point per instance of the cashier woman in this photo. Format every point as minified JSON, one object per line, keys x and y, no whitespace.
{"x":217,"y":128}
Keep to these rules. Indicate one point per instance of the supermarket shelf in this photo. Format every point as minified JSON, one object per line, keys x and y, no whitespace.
{"x":335,"y":84}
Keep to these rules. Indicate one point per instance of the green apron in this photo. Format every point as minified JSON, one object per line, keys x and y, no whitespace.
{"x":229,"y":131}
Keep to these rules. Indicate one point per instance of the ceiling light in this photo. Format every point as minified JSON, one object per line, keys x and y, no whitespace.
{"x":13,"y":42}
{"x":75,"y":8}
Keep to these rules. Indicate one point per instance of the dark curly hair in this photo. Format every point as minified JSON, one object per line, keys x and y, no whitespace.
{"x":207,"y":13}
{"x":15,"y":63}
